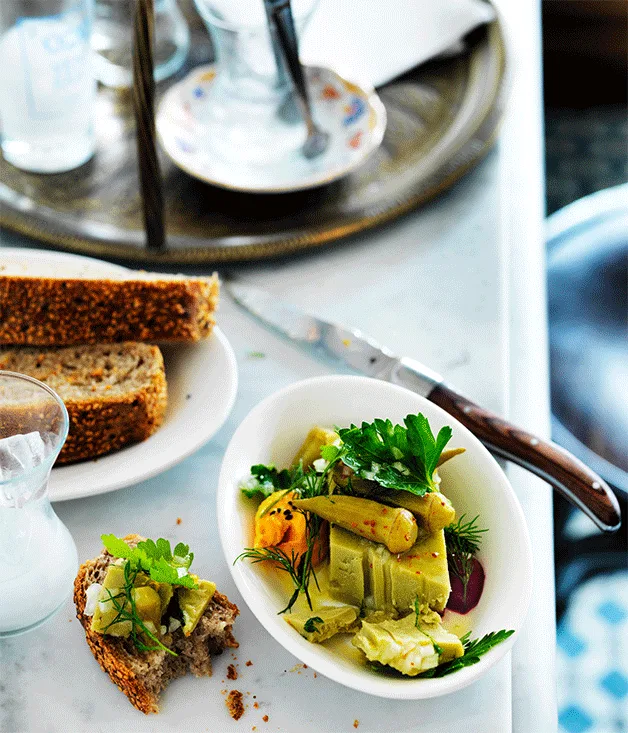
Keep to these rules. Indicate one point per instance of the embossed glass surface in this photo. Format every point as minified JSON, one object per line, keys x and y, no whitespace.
{"x":38,"y":557}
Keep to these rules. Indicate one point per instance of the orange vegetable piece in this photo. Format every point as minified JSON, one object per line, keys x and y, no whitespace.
{"x":279,"y":524}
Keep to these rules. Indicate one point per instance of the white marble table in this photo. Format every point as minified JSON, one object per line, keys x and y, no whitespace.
{"x":459,"y":285}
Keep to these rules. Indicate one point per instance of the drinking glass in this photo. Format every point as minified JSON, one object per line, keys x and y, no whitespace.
{"x":112,"y":41}
{"x":38,"y":559}
{"x":47,"y":87}
{"x":250,"y":112}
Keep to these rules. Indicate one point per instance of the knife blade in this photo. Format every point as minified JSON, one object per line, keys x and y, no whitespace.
{"x":335,"y":343}
{"x":340,"y":345}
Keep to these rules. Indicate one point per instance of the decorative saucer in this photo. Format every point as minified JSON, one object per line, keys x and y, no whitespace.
{"x":353,"y":115}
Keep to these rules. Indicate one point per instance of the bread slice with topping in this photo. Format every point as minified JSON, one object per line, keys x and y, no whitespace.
{"x":143,"y":675}
{"x":49,"y":310}
{"x":115,"y":394}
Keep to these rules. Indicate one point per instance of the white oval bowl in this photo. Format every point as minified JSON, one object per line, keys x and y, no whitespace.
{"x":272,"y":433}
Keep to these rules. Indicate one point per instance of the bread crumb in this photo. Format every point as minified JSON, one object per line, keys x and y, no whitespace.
{"x":232,"y":672}
{"x":234,"y":703}
{"x":256,"y":705}
{"x":356,"y":723}
{"x":265,"y":718}
{"x":178,"y":520}
{"x":249,"y":663}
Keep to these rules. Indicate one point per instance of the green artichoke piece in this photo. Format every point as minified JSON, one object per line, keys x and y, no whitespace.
{"x":193,"y":603}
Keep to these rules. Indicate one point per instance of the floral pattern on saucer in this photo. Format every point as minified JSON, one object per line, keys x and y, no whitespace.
{"x":354,"y":117}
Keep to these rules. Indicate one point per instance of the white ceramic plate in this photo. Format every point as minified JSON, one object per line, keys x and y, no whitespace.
{"x":200,"y":376}
{"x":353,"y":116}
{"x":272,"y":433}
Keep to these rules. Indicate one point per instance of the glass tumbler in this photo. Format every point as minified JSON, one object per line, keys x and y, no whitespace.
{"x":250,"y":113}
{"x":47,"y":87}
{"x":38,"y":559}
{"x":113,"y":41}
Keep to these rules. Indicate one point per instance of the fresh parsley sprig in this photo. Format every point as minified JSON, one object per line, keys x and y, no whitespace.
{"x":473,"y":650}
{"x":396,"y":457}
{"x":156,"y":559}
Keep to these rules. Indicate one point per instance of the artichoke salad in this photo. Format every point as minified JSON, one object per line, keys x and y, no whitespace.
{"x":371,"y":545}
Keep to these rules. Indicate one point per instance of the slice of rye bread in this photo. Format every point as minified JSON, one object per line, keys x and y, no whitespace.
{"x":143,"y":675}
{"x":55,"y":311}
{"x":115,"y":394}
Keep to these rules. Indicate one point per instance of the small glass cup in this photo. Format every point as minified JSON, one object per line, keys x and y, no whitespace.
{"x":38,"y":558}
{"x":113,"y":41}
{"x":47,"y":87}
{"x":250,"y":113}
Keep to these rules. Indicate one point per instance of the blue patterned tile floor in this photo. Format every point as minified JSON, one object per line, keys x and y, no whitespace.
{"x":592,"y":658}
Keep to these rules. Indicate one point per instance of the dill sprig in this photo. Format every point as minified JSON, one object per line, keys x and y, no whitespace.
{"x":463,"y":541}
{"x":124,"y":604}
{"x":299,"y":567}
{"x":306,"y":484}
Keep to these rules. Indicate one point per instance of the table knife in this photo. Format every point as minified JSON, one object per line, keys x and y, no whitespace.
{"x":350,"y":347}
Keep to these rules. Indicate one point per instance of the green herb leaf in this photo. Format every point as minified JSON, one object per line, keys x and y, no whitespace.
{"x":155,"y":558}
{"x":330,"y":452}
{"x":473,"y":650}
{"x":310,"y":624}
{"x":396,"y":457}
{"x":116,"y":546}
{"x":265,"y":480}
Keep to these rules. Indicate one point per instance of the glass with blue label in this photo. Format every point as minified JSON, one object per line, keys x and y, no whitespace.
{"x":47,"y":84}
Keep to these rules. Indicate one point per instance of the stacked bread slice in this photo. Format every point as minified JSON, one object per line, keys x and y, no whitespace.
{"x":95,"y":342}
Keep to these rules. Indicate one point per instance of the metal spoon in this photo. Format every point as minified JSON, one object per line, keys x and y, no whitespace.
{"x":281,"y":22}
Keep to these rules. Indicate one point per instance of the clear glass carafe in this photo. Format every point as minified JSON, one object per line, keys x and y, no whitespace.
{"x":112,"y":40}
{"x":38,"y":558}
{"x":250,"y":114}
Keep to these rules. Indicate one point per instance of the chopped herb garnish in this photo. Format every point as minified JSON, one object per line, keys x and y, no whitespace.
{"x":257,"y":354}
{"x":265,"y":480}
{"x":473,"y":650}
{"x":156,"y":559}
{"x":161,"y":564}
{"x":124,"y":605}
{"x":463,"y":541}
{"x":396,"y":457}
{"x":310,"y":624}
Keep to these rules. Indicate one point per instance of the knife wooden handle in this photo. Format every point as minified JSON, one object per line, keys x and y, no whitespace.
{"x":568,"y":475}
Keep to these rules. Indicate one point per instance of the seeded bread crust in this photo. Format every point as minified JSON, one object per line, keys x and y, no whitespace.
{"x":115,"y":394}
{"x":41,"y":311}
{"x":141,"y":676}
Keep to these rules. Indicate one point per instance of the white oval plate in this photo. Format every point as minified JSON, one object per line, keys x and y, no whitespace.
{"x":353,"y":115}
{"x":272,"y":433}
{"x":200,"y":375}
